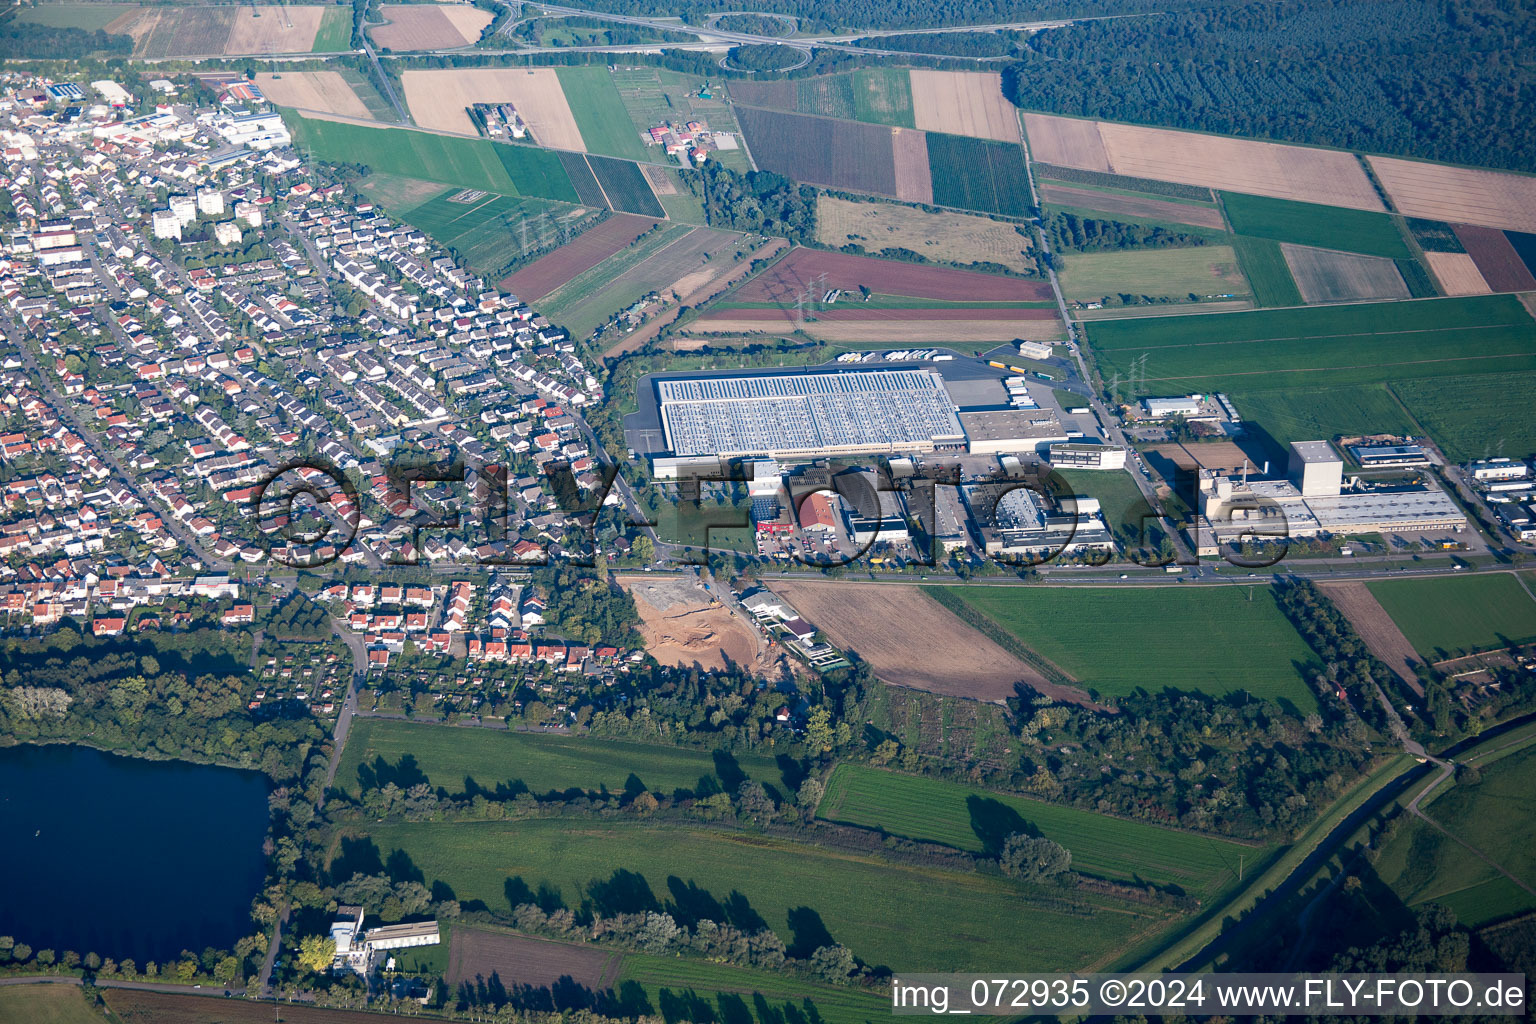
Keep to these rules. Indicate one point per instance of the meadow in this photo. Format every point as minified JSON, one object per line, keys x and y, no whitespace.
{"x":774,"y":998}
{"x":1117,"y":640}
{"x":1199,"y":270}
{"x":1444,"y":618}
{"x":448,"y":757}
{"x":1424,"y":865}
{"x":1119,"y":499}
{"x":46,"y":1004}
{"x":1329,"y":412}
{"x":969,"y":818}
{"x":1469,"y":416}
{"x":874,"y":95}
{"x":494,"y":232}
{"x":605,"y":125}
{"x":1267,"y":272}
{"x":85,"y":16}
{"x":335,"y":32}
{"x":978,"y":174}
{"x":1326,"y":227}
{"x":1319,"y":346}
{"x":901,"y":915}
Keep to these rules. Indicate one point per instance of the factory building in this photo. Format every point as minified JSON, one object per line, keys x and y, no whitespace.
{"x":1316,"y":468}
{"x":1074,"y":455}
{"x":1389,"y":456}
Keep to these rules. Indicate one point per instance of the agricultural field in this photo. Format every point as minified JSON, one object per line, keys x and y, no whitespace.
{"x":875,"y":95}
{"x":1206,"y":271}
{"x":821,"y":151}
{"x":467,"y":163}
{"x":1115,"y":641}
{"x":577,"y":256}
{"x":625,"y":188}
{"x":492,"y":232}
{"x":335,"y":32}
{"x":324,"y":91}
{"x":1459,"y":195}
{"x":1496,"y":260}
{"x":523,"y":960}
{"x":977,"y":331}
{"x":774,"y":997}
{"x":440,"y":100}
{"x":914,"y":178}
{"x":888,"y":913}
{"x":958,"y":238}
{"x":1424,"y":865}
{"x":1316,"y":347}
{"x":1457,"y":273}
{"x":429,"y":26}
{"x":599,"y":112}
{"x":878,"y":623}
{"x":1322,"y":227}
{"x":450,"y":758}
{"x":1120,"y":205}
{"x":1376,"y":628}
{"x":85,"y":16}
{"x":46,"y":1004}
{"x":805,"y":269}
{"x":963,"y":103}
{"x":1446,"y":618}
{"x":969,"y":818}
{"x":1307,"y":175}
{"x":132,"y":1007}
{"x":181,"y":31}
{"x":273,"y":29}
{"x":976,"y":174}
{"x":1324,"y":275}
{"x":1268,"y":274}
{"x":1301,"y":415}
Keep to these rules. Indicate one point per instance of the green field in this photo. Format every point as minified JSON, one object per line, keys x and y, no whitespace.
{"x":1115,"y":641}
{"x":450,"y":756}
{"x":1200,"y":270}
{"x":362,"y":84}
{"x":1443,"y":618}
{"x":746,"y":996}
{"x":1497,"y":816}
{"x":335,"y":32}
{"x":978,"y":174}
{"x":1267,"y":272}
{"x":45,"y":1004}
{"x":1469,"y":417}
{"x":86,"y":17}
{"x":903,"y":916}
{"x":600,"y":114}
{"x":936,"y":811}
{"x":1326,"y":227}
{"x":1319,"y":346}
{"x":450,"y":160}
{"x":875,"y":95}
{"x":493,"y":232}
{"x":1330,"y":412}
{"x":1120,"y":500}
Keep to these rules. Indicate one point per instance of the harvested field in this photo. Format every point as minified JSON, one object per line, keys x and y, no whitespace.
{"x":862,"y":314}
{"x":1236,"y":165}
{"x":429,"y":26}
{"x":1066,"y":142}
{"x":440,"y":100}
{"x":914,"y":180}
{"x":1132,"y":206}
{"x":323,"y":91}
{"x":1327,"y":276}
{"x":182,"y":31}
{"x":1459,"y":195}
{"x":584,"y":252}
{"x":682,"y":625}
{"x":963,"y":103}
{"x":890,"y":333}
{"x":519,"y":960}
{"x":944,"y":237}
{"x":795,"y":272}
{"x":1377,"y":629}
{"x":1457,"y":273}
{"x":274,"y":30}
{"x":1500,"y":266}
{"x":1205,"y":270}
{"x":821,"y":151}
{"x":133,"y":1007}
{"x":911,"y":640}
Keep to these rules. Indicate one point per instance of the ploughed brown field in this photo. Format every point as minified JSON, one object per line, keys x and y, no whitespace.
{"x":1496,"y":260}
{"x":580,"y":254}
{"x":1377,"y":629}
{"x":1132,"y":206}
{"x":911,"y":640}
{"x":1324,"y":275}
{"x":796,"y":272}
{"x":519,"y":960}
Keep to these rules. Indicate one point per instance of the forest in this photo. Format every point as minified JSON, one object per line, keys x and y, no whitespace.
{"x":1439,"y":79}
{"x":25,"y":40}
{"x":758,"y":201}
{"x":1088,"y":234}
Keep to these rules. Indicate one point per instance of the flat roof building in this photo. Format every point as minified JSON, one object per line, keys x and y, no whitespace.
{"x":992,"y":432}
{"x":1316,"y":468}
{"x":1071,"y":455}
{"x":1389,"y":456}
{"x":1162,"y":408}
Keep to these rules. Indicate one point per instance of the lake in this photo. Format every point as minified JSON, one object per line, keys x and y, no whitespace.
{"x":127,"y":857}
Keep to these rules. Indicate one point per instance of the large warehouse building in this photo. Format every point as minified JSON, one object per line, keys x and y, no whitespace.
{"x":808,"y":415}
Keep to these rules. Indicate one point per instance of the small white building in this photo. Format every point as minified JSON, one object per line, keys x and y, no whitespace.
{"x":1076,"y":455}
{"x":1036,"y":349}
{"x":1163,"y":408}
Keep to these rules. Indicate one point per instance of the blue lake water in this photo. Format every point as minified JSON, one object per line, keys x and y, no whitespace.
{"x":127,"y":857}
